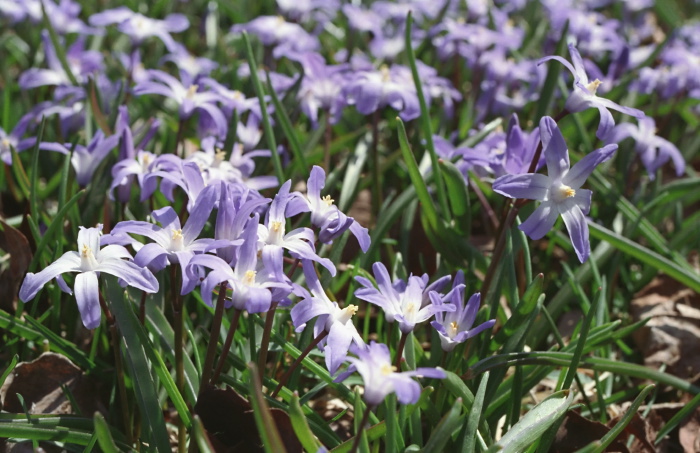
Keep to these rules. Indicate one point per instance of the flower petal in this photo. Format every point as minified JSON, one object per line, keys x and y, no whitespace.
{"x":583,"y":168}
{"x":541,"y":221}
{"x":532,"y":186}
{"x":69,"y":262}
{"x":554,"y":147}
{"x":578,"y":231}
{"x":88,"y":298}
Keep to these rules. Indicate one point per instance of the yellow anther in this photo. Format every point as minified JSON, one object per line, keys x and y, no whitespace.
{"x":327,"y":200}
{"x":276,"y":226}
{"x":453,"y":326}
{"x":177,"y":235}
{"x":86,"y":251}
{"x":192,"y":90}
{"x":219,"y":155}
{"x":387,"y":369}
{"x":386,"y":75}
{"x":593,"y":86}
{"x":249,"y":278}
{"x":567,"y":192}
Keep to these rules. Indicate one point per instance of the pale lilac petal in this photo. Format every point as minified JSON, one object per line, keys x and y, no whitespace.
{"x":582,"y":199}
{"x":578,"y":231}
{"x":200,"y":214}
{"x":88,"y":298}
{"x":541,"y":221}
{"x":560,"y":60}
{"x":151,"y":255}
{"x":362,"y":235}
{"x":607,"y":123}
{"x":554,"y":147}
{"x":407,"y":390}
{"x":337,"y":345}
{"x":583,"y":168}
{"x":69,"y":262}
{"x":132,"y":274}
{"x":620,"y":108}
{"x":530,"y":186}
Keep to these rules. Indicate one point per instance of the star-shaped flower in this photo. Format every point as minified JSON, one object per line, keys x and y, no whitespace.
{"x":559,"y":191}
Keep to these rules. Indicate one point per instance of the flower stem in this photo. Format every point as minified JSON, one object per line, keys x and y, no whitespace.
{"x":361,"y":430}
{"x":399,"y":351}
{"x":227,"y":346}
{"x":297,"y":362}
{"x":327,"y":143}
{"x":265,"y":341}
{"x":179,"y":328}
{"x":116,"y":343}
{"x":213,"y":336}
{"x":376,"y":184}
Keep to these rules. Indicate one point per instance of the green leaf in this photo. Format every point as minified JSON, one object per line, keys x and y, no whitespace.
{"x":267,"y":125}
{"x":301,"y":426}
{"x":520,"y":314}
{"x":533,"y":424}
{"x":458,"y":196}
{"x":104,"y":437}
{"x":270,"y":436}
{"x":53,"y":229}
{"x":139,"y":367}
{"x":550,"y":81}
{"x":8,"y":370}
{"x":443,"y":432}
{"x":582,"y":337}
{"x":200,"y":436}
{"x":416,"y":177}
{"x":425,"y":118}
{"x":288,"y":129}
{"x":631,"y":248}
{"x":474,"y":417}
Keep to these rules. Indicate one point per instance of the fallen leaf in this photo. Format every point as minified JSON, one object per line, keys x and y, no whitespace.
{"x":17,"y":246}
{"x":230,"y":422}
{"x":41,"y":384}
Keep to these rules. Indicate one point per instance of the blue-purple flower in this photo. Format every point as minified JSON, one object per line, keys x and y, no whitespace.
{"x":560,"y":191}
{"x":407,"y":303}
{"x":382,"y":379}
{"x":89,"y":261}
{"x":654,"y":151}
{"x":330,"y":317}
{"x":584,"y":96}
{"x":455,"y":327}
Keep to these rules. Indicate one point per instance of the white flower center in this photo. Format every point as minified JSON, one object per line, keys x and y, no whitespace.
{"x":177,"y":241}
{"x":386,"y":75}
{"x":191,"y":91}
{"x":87,"y":259}
{"x":452,"y":331}
{"x":563,"y":192}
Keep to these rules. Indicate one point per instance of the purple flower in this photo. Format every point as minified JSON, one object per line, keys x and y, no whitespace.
{"x":140,"y":27}
{"x":456,"y":327}
{"x":187,"y":99}
{"x":321,"y":88}
{"x":407,"y":303}
{"x":381,"y":378}
{"x":253,"y":286}
{"x":584,"y":94}
{"x":326,"y":216}
{"x":172,"y":243}
{"x":86,"y":159}
{"x":370,"y":90}
{"x":12,"y":140}
{"x":299,"y":242}
{"x":653,"y":150}
{"x":81,"y":62}
{"x":89,"y":262}
{"x":287,"y":37}
{"x":330,"y":317}
{"x":560,"y":191}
